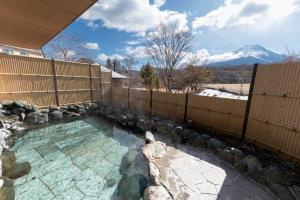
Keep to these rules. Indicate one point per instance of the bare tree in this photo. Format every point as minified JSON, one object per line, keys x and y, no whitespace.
{"x":167,"y":46}
{"x":292,"y":56}
{"x":128,"y":68}
{"x":67,"y":48}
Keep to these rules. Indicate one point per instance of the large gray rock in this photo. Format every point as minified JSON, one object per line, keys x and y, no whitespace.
{"x":280,"y":191}
{"x":36,"y":117}
{"x":156,"y":193}
{"x":7,"y":104}
{"x":132,"y":187}
{"x":149,"y":138}
{"x":8,"y":161}
{"x":7,"y":191}
{"x":273,"y":173}
{"x":20,"y":169}
{"x":17,"y":111}
{"x":227,"y":155}
{"x":254,"y":169}
{"x":128,"y":159}
{"x":215,"y":145}
{"x":177,"y":134}
{"x":55,"y":115}
{"x":237,"y":153}
{"x":155,"y":150}
{"x":1,"y":124}
{"x":199,"y":141}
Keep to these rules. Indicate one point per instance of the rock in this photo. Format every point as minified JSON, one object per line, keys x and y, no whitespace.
{"x":254,"y":169}
{"x":240,"y":165}
{"x":36,"y":117}
{"x":55,"y":115}
{"x":149,"y":138}
{"x":237,"y":153}
{"x":185,"y":135}
{"x":296,"y":190}
{"x":276,"y":175}
{"x":55,"y":108}
{"x":199,"y":141}
{"x":154,"y":173}
{"x":132,"y":187}
{"x":7,"y":191}
{"x":280,"y":191}
{"x":44,"y":110}
{"x":8,"y":161}
{"x":177,"y":134}
{"x":252,"y":163}
{"x":8,"y":104}
{"x":215,"y":145}
{"x":20,"y":169}
{"x":20,"y":104}
{"x":227,"y":155}
{"x":22,"y":116}
{"x":1,"y":124}
{"x":156,"y":193}
{"x":128,"y":159}
{"x":155,"y":150}
{"x":17,"y":111}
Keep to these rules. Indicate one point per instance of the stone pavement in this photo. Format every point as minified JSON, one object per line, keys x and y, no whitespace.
{"x":79,"y":160}
{"x":193,"y":173}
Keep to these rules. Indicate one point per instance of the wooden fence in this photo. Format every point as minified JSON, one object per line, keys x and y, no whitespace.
{"x":274,"y":112}
{"x":223,"y":114}
{"x":46,"y":82}
{"x":274,"y":118}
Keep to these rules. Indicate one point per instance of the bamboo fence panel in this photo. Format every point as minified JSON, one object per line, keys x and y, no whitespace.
{"x":218,"y":113}
{"x":120,"y":96}
{"x":96,"y":85}
{"x":28,"y":79}
{"x":140,"y":100}
{"x":106,"y":90}
{"x":73,"y":82}
{"x":168,"y":104}
{"x":274,"y":118}
{"x":32,"y":80}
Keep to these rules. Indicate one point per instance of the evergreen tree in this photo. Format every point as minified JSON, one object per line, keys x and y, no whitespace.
{"x":147,"y":75}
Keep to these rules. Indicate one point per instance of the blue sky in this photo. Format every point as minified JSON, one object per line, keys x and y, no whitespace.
{"x":116,"y":28}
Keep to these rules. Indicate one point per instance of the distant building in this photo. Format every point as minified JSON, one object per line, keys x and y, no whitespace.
{"x":21,"y":51}
{"x":117,"y":80}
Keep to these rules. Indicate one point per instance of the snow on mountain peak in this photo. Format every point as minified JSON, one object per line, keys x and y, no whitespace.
{"x":248,"y":54}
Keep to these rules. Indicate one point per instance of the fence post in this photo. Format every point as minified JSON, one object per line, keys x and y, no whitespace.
{"x":100,"y":79}
{"x":111,"y":89}
{"x":186,"y":106}
{"x":55,"y":81}
{"x":91,"y":82}
{"x":128,"y":97}
{"x":151,"y":102}
{"x":248,"y":106}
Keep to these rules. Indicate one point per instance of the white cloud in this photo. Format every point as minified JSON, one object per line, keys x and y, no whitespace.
{"x":247,"y":12}
{"x":137,"y":52}
{"x":103,"y":57}
{"x":91,"y":45}
{"x":133,"y":42}
{"x":159,"y":3}
{"x":135,"y":16}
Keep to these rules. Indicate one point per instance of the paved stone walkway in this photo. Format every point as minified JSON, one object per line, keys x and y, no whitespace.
{"x":192,"y":173}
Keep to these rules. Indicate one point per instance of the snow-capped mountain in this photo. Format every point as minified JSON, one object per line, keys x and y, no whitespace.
{"x":248,"y":55}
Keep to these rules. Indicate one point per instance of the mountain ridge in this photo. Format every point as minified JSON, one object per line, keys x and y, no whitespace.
{"x":247,"y":55}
